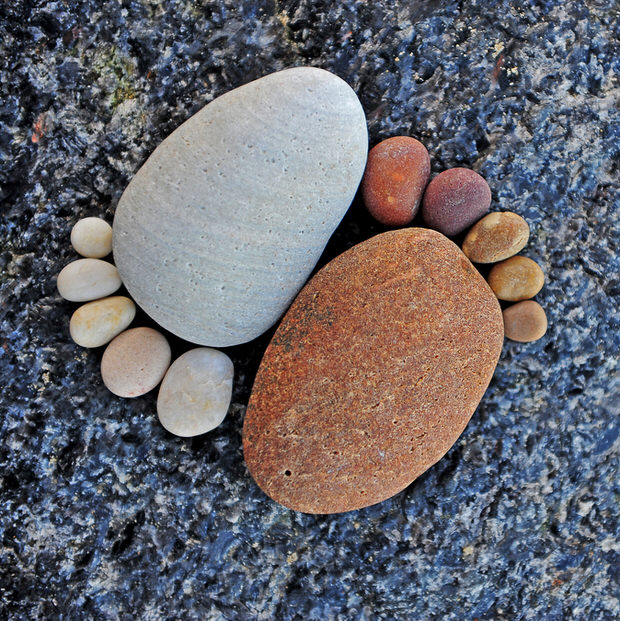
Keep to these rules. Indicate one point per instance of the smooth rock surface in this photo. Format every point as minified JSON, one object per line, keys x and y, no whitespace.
{"x":496,"y":237}
{"x":373,"y":373}
{"x":87,"y":279}
{"x":195,"y":394}
{"x":396,"y":174}
{"x":222,"y":225}
{"x":92,"y":237}
{"x":135,"y":362}
{"x":525,"y":321}
{"x":515,"y":279}
{"x":96,"y":323}
{"x":454,"y":200}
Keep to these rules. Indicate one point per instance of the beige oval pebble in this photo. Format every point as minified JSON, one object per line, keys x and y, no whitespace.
{"x":92,"y":237}
{"x":195,"y":394}
{"x":525,"y":321}
{"x":515,"y":279}
{"x":496,"y":237}
{"x":87,"y":279}
{"x":97,"y":323}
{"x":135,"y":362}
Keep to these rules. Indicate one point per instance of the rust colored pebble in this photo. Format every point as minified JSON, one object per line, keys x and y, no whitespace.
{"x":496,"y":237}
{"x":525,"y":321}
{"x":396,"y":174}
{"x":515,"y":279}
{"x":135,"y":362}
{"x":373,"y":373}
{"x":454,"y":200}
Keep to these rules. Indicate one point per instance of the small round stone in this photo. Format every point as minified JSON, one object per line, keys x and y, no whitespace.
{"x":396,"y":174}
{"x":196,"y":392}
{"x":496,"y":237}
{"x":454,"y":200}
{"x":87,"y":279}
{"x":92,"y":237}
{"x":515,"y":279}
{"x":525,"y":321}
{"x":97,"y":323}
{"x":135,"y":362}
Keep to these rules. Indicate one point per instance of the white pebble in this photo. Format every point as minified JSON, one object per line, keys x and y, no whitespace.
{"x":97,"y":323}
{"x":88,"y":279}
{"x":92,"y":237}
{"x":195,"y":393}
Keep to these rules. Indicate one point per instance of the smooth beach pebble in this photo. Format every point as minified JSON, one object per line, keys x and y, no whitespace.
{"x":87,"y":279}
{"x":135,"y":362}
{"x":396,"y":174}
{"x":92,"y":237}
{"x":373,"y":373}
{"x":496,"y":237}
{"x":97,"y":323}
{"x":525,"y":321}
{"x":221,"y":227}
{"x":454,"y":200}
{"x":515,"y":279}
{"x":196,"y":392}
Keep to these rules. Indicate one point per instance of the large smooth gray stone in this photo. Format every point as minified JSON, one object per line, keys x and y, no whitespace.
{"x":222,"y":225}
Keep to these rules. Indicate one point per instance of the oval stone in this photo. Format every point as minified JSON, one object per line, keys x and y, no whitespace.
{"x":87,"y":279}
{"x":525,"y":321}
{"x":373,"y":373}
{"x":92,"y":237}
{"x":96,"y":323}
{"x":496,"y":237}
{"x":195,"y":394}
{"x":515,"y":279}
{"x":222,"y":225}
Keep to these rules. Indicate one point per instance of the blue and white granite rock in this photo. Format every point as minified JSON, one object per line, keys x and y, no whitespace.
{"x":104,"y":515}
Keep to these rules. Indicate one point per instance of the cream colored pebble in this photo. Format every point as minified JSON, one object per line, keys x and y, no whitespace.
{"x":195,"y":393}
{"x":96,"y":323}
{"x":135,"y":362}
{"x":87,"y":279}
{"x":92,"y":237}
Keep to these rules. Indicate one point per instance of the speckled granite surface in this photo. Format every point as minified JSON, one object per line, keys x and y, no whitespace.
{"x":104,"y":515}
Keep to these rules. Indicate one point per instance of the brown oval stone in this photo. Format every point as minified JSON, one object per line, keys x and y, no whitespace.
{"x":454,"y":200}
{"x":396,"y":174}
{"x":515,"y":279}
{"x":496,"y":237}
{"x":525,"y":321}
{"x":373,"y":374}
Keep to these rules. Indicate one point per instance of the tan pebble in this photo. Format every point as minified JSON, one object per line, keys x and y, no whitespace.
{"x":87,"y":279}
{"x":525,"y":321}
{"x":97,"y":323}
{"x":92,"y":237}
{"x":517,"y":278}
{"x":135,"y":362}
{"x":496,"y":237}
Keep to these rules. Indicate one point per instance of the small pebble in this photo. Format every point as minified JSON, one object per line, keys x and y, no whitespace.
{"x":196,"y":392}
{"x":135,"y":362}
{"x":525,"y":321}
{"x":454,"y":200}
{"x":396,"y":174}
{"x":88,"y":279}
{"x":97,"y":323}
{"x":496,"y":237}
{"x":92,"y":237}
{"x":515,"y":279}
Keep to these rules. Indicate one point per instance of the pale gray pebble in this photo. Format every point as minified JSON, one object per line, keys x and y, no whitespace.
{"x":96,"y":323}
{"x":195,"y":393}
{"x":92,"y":237}
{"x":88,"y":279}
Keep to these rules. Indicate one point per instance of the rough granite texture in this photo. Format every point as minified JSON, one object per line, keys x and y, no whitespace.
{"x":104,"y":515}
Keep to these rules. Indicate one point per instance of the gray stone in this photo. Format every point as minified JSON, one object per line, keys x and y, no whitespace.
{"x":222,"y":225}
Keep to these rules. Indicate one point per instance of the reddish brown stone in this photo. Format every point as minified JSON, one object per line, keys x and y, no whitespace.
{"x":396,"y":174}
{"x":373,"y":373}
{"x":454,"y":200}
{"x":525,"y":322}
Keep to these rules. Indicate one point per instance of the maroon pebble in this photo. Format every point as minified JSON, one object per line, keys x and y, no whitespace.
{"x":454,"y":200}
{"x":396,"y":174}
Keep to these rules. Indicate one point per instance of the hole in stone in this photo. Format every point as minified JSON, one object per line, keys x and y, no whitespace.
{"x":287,"y":473}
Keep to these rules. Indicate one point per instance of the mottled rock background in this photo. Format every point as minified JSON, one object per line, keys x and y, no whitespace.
{"x":104,"y":515}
